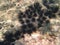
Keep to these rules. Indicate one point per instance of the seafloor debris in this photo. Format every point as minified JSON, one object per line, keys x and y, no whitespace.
{"x":37,"y":39}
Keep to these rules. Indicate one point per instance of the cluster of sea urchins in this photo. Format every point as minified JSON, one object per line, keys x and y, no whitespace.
{"x":34,"y":17}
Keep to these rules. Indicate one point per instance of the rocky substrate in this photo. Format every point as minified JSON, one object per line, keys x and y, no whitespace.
{"x":29,"y":22}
